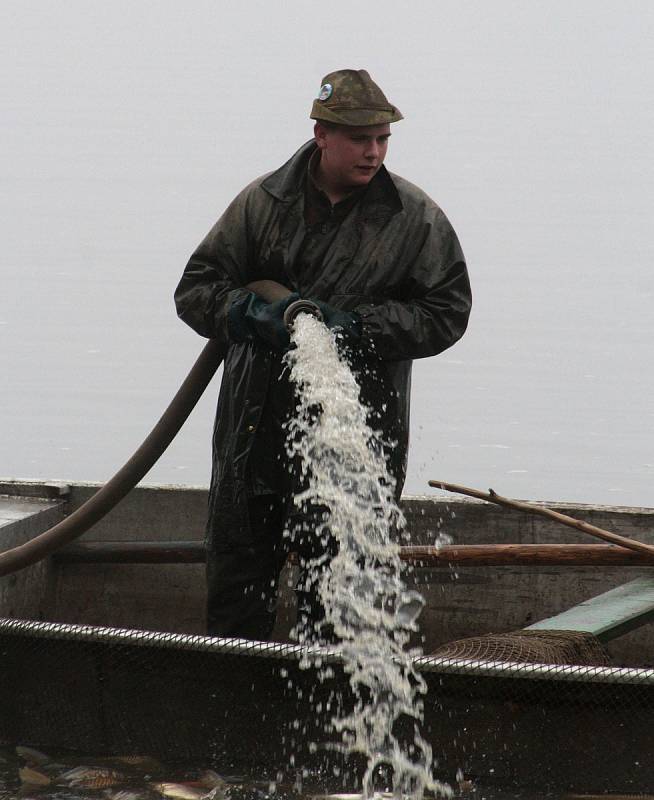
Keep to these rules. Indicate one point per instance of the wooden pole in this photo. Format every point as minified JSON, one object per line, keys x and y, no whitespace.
{"x":478,"y":555}
{"x":524,"y":555}
{"x":564,"y":519}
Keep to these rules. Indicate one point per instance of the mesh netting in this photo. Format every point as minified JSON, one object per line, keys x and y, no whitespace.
{"x":248,"y":708}
{"x":612,"y":796}
{"x":227,"y":702}
{"x":525,"y":646}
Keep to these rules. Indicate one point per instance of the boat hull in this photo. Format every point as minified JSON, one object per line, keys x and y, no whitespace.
{"x":120,"y":665}
{"x":461,"y":601}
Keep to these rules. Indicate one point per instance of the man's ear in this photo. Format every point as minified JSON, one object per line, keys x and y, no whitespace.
{"x":320,"y":133}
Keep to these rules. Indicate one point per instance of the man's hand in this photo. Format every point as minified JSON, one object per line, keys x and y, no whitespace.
{"x":253,"y":319}
{"x":349,"y":323}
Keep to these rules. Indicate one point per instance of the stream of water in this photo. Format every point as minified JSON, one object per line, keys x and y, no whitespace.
{"x":367,"y":604}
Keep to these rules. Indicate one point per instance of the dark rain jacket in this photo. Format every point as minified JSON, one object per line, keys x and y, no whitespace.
{"x":395,"y":260}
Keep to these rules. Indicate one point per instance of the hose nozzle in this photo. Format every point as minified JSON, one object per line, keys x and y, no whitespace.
{"x":300,"y":307}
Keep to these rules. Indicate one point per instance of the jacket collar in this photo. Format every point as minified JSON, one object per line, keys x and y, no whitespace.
{"x":287,"y":183}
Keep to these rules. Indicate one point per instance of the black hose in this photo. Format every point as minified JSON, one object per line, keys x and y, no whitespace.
{"x":129,"y":474}
{"x":143,"y":459}
{"x":301,"y":307}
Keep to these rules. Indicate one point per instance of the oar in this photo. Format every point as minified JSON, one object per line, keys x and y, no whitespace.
{"x":564,"y":519}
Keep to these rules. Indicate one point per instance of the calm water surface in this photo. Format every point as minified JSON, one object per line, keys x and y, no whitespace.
{"x":125,"y":137}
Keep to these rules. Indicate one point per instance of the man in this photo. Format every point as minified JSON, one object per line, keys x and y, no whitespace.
{"x":332,"y":225}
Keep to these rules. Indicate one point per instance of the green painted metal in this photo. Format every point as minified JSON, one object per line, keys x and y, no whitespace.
{"x":608,"y":615}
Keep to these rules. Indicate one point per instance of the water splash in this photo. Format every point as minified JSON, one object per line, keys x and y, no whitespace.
{"x":367,"y":605}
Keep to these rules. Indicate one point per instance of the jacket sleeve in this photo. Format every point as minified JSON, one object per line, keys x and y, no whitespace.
{"x":216,"y":272}
{"x":430,"y":310}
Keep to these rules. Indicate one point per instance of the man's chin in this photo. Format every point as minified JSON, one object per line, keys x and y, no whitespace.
{"x":361,"y":178}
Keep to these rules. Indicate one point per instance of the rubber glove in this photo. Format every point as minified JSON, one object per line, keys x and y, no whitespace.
{"x":251,"y":318}
{"x":348,"y":323}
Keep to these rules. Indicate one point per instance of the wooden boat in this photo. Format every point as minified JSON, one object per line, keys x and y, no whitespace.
{"x":102,"y":647}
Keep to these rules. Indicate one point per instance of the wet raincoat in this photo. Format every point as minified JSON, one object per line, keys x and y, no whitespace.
{"x":395,"y":260}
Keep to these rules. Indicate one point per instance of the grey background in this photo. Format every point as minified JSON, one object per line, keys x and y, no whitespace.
{"x":128,"y":127}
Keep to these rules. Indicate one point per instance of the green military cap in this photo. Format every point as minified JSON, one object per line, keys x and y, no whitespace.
{"x":351,"y":97}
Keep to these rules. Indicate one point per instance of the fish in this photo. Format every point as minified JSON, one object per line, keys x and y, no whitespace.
{"x":336,"y":797}
{"x":32,"y":757}
{"x":211,"y":780}
{"x":33,"y":777}
{"x":382,"y":796}
{"x":146,"y":763}
{"x":218,"y":793}
{"x":179,"y":791}
{"x":91,"y":777}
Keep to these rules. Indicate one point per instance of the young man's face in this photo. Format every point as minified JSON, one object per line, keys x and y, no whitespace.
{"x":351,"y":156}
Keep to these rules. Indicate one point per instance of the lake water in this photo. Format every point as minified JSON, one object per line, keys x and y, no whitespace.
{"x":127,"y":133}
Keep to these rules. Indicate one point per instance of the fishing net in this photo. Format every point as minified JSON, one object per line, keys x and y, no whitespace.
{"x":527,"y":646}
{"x":250,"y":708}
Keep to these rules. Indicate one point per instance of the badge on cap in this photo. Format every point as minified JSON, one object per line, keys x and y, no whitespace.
{"x":325,"y":91}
